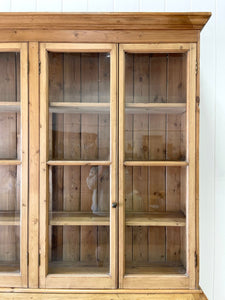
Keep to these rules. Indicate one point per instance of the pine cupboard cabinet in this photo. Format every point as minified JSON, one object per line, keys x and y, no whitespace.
{"x":99,"y":127}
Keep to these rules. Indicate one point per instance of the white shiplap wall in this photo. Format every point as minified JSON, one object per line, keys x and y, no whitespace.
{"x":212,"y":141}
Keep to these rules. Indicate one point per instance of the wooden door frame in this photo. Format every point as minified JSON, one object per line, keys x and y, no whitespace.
{"x":20,"y":279}
{"x":161,"y":281}
{"x":75,"y":280}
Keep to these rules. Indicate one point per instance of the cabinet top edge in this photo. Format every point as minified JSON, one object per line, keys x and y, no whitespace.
{"x":105,"y":21}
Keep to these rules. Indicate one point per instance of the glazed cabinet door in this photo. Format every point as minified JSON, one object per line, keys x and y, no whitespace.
{"x":78,"y":165}
{"x":13,"y":164}
{"x":157,"y":166}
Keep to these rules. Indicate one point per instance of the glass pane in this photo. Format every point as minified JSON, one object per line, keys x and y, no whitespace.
{"x":79,"y":136}
{"x":79,"y":77}
{"x":155,"y":78}
{"x":156,"y":137}
{"x":10,"y":135}
{"x":79,"y":219}
{"x":9,"y":77}
{"x":81,"y":249}
{"x":79,"y":189}
{"x":10,"y":218}
{"x":156,"y":250}
{"x":155,"y":189}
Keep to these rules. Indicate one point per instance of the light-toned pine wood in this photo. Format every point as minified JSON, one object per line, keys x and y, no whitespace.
{"x":34,"y":146}
{"x":56,"y":80}
{"x":78,"y":219}
{"x":15,"y":243}
{"x":122,"y":148}
{"x":78,"y":163}
{"x":157,"y":147}
{"x":155,"y":108}
{"x":104,"y":291}
{"x":43,"y":242}
{"x":9,"y":162}
{"x":71,"y":178}
{"x":156,"y":163}
{"x":140,"y":152}
{"x":155,"y":219}
{"x":156,"y":48}
{"x":102,"y":36}
{"x":9,"y":106}
{"x":105,"y":21}
{"x":154,"y":295}
{"x":9,"y":218}
{"x":191,"y":94}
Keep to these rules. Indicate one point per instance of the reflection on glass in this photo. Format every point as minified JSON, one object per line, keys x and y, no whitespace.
{"x":79,"y":77}
{"x":155,"y":78}
{"x":10,"y":137}
{"x":155,"y":137}
{"x":9,"y":77}
{"x":10,"y":218}
{"x":79,"y":189}
{"x":152,"y":249}
{"x":79,"y":136}
{"x":79,"y":249}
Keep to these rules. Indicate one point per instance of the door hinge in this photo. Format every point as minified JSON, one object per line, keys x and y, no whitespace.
{"x":196,"y":67}
{"x":39,"y":259}
{"x":28,"y":258}
{"x":39,"y":67}
{"x":28,"y":67}
{"x":198,"y":100}
{"x":196,"y":259}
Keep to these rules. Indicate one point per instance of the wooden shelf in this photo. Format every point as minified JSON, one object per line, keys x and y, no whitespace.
{"x":9,"y":218}
{"x":155,"y":108}
{"x":9,"y":106}
{"x":10,"y":162}
{"x":155,"y":219}
{"x":9,"y":267}
{"x":78,"y":163}
{"x":79,"y":107}
{"x":77,"y":268}
{"x":78,"y":219}
{"x":155,"y":269}
{"x":155,"y":163}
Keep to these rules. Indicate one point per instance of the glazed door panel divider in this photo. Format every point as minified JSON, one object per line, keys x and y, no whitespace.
{"x":78,"y":140}
{"x":157,"y":165}
{"x":13,"y":164}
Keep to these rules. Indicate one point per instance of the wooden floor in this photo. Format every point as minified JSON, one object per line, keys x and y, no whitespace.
{"x":34,"y":294}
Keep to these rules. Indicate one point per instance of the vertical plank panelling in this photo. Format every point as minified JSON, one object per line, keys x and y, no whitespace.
{"x":89,"y":149}
{"x":23,"y":5}
{"x":5,"y":5}
{"x":219,"y":257}
{"x":8,"y":149}
{"x":157,"y":142}
{"x":74,"y":6}
{"x":152,"y":5}
{"x":140,"y":152}
{"x":56,"y":94}
{"x":207,"y":141}
{"x":126,"y":5}
{"x":49,"y":5}
{"x":179,"y":6}
{"x":71,"y":178}
{"x":100,"y":5}
{"x":103,"y":154}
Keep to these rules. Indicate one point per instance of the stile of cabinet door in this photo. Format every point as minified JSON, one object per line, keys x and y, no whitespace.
{"x":13,"y":164}
{"x":176,"y":145}
{"x":79,"y":76}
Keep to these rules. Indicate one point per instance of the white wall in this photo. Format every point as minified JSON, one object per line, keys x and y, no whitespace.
{"x":212,"y":141}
